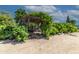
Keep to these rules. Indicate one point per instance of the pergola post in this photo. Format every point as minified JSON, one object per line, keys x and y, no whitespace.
{"x":28,"y":22}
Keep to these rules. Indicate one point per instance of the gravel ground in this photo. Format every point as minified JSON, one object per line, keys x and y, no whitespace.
{"x":64,"y":43}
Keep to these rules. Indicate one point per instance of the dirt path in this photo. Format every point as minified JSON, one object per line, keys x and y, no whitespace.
{"x":65,"y":43}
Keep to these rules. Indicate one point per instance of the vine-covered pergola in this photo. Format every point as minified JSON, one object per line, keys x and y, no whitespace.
{"x":42,"y":24}
{"x":28,"y":18}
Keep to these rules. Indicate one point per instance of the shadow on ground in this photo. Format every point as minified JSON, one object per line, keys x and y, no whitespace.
{"x":32,"y":36}
{"x":10,"y":41}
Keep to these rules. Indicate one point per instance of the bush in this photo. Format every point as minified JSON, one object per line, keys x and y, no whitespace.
{"x":65,"y":27}
{"x":72,"y":28}
{"x":54,"y":31}
{"x":6,"y":24}
{"x":20,"y":33}
{"x":2,"y":34}
{"x":32,"y":27}
{"x":10,"y":30}
{"x":5,"y":32}
{"x":46,"y":29}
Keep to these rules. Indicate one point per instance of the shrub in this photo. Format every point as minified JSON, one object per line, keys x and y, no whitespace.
{"x":32,"y":27}
{"x":10,"y":30}
{"x":7,"y":20}
{"x":46,"y":29}
{"x":72,"y":28}
{"x":54,"y":31}
{"x":5,"y":32}
{"x":2,"y":34}
{"x":64,"y":27}
{"x":19,"y":13}
{"x":6,"y":24}
{"x":20,"y":33}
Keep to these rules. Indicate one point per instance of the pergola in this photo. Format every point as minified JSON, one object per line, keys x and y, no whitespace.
{"x":34,"y":19}
{"x":28,"y":18}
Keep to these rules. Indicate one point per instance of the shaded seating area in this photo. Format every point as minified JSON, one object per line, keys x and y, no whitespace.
{"x":33,"y":24}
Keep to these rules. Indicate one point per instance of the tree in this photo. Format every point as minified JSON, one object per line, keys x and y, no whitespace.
{"x":19,"y":14}
{"x":70,"y":21}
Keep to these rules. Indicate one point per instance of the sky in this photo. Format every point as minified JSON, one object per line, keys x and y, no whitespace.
{"x":59,"y":13}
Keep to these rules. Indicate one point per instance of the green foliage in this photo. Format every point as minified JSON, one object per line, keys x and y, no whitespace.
{"x":46,"y":29}
{"x":72,"y":28}
{"x":6,"y":24}
{"x":47,"y":22}
{"x":19,"y":15}
{"x":64,"y":27}
{"x":9,"y":29}
{"x":20,"y":33}
{"x":32,"y":26}
{"x":2,"y":33}
{"x":49,"y":28}
{"x":42,"y":15}
{"x":7,"y":20}
{"x":54,"y":31}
